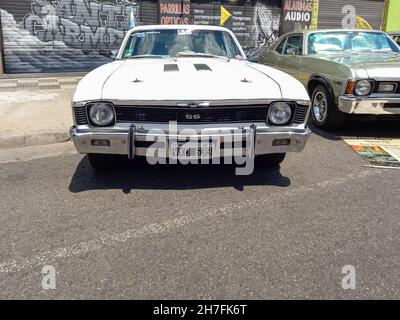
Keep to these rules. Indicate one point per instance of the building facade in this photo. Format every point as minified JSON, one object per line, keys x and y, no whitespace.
{"x":40,"y":36}
{"x":392,"y":16}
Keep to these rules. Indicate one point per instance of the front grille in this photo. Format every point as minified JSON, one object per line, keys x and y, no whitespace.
{"x":130,"y":114}
{"x":300,"y":114}
{"x":375,"y":88}
{"x":80,"y":115}
{"x":191,"y":115}
{"x":391,"y":106}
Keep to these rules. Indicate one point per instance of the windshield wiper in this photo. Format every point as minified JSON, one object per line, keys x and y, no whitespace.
{"x":330,"y":50}
{"x":381,"y":51}
{"x":141,"y":56}
{"x":197,"y":54}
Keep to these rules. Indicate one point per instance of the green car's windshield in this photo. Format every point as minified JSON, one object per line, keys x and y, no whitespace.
{"x":181,"y":43}
{"x":342,"y":41}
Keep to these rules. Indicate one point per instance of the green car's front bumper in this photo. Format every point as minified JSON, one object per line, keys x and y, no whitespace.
{"x":370,"y":105}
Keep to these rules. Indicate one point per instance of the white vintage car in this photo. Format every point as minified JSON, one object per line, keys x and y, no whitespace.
{"x":196,"y":78}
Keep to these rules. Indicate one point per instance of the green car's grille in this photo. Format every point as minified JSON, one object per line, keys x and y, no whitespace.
{"x":377,"y":85}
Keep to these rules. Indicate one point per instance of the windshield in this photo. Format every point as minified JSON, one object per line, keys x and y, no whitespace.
{"x":181,"y":43}
{"x":350,"y":41}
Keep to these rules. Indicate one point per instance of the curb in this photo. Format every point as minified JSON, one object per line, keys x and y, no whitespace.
{"x":9,"y":85}
{"x":20,"y":141}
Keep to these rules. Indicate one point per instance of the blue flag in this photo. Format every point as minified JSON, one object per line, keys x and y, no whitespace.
{"x":131,"y":19}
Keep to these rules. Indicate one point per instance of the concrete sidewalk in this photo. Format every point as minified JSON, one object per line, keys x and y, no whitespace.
{"x":35,"y":111}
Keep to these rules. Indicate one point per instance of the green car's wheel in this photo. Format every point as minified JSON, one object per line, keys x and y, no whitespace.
{"x":102,"y":162}
{"x":324,"y":111}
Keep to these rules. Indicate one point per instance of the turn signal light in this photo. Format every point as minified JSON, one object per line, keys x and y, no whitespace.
{"x":350,"y":87}
{"x":281,"y":142}
{"x":100,"y":142}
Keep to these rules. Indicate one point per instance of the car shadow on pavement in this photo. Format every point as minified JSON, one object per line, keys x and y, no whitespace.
{"x":363,"y":129}
{"x":138,"y":174}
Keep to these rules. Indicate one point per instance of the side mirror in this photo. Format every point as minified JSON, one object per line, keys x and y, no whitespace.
{"x":253,"y":58}
{"x":114,"y":54}
{"x":253,"y":55}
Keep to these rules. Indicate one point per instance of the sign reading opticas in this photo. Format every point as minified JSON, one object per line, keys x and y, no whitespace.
{"x":174,"y":11}
{"x":298,"y":14}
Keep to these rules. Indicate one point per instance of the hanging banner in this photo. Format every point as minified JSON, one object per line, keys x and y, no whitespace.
{"x":361,"y":23}
{"x":299,"y":15}
{"x":174,"y":11}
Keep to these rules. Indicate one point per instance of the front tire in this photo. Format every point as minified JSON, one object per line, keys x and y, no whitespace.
{"x":272,"y":159}
{"x":324,"y":111}
{"x":102,"y":162}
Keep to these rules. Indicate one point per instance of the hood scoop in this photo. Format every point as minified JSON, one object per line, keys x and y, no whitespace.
{"x":171,"y":67}
{"x":202,"y":67}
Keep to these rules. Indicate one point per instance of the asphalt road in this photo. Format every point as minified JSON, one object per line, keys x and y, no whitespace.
{"x":184,"y":232}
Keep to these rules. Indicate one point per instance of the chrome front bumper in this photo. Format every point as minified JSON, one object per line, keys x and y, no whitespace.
{"x":369,"y":105}
{"x":130,"y":140}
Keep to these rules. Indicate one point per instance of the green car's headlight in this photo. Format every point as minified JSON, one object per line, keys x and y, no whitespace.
{"x":362,"y":87}
{"x":102,"y":114}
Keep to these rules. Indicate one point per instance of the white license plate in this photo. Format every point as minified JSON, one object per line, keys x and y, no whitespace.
{"x":192,"y":150}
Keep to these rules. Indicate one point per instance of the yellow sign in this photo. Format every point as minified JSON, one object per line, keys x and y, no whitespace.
{"x":225,"y":15}
{"x":314,"y":20}
{"x":362,"y":24}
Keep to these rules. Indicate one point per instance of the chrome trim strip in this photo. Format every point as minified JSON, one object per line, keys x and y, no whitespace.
{"x":225,"y":102}
{"x":383,"y":79}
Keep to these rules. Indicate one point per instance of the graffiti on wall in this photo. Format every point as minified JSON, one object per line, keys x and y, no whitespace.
{"x":265,"y":29}
{"x":81,"y":23}
{"x":266,"y":25}
{"x":65,"y":35}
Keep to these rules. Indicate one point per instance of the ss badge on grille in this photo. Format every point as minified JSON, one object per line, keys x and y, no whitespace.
{"x":189,"y":116}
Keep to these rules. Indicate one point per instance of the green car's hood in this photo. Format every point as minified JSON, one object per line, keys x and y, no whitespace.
{"x":376,"y":65}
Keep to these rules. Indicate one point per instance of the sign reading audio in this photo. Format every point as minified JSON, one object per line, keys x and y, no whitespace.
{"x":299,"y":14}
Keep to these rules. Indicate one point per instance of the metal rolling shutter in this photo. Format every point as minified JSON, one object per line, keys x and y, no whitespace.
{"x":330,"y":12}
{"x":148,"y":12}
{"x":82,"y":33}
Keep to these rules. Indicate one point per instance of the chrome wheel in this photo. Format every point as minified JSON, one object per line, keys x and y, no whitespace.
{"x":320,"y":107}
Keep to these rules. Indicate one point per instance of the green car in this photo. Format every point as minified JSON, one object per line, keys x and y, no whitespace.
{"x":344,"y":71}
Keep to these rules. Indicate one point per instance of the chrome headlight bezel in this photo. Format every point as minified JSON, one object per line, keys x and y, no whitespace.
{"x":363,"y":87}
{"x":108,"y":119}
{"x":275,"y":108}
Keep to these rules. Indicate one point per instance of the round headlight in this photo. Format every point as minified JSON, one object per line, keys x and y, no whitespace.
{"x":279,"y":113}
{"x":363,"y":87}
{"x":101,"y":114}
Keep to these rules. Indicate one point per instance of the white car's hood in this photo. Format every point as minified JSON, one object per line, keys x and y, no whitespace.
{"x":204,"y":79}
{"x":188,"y":79}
